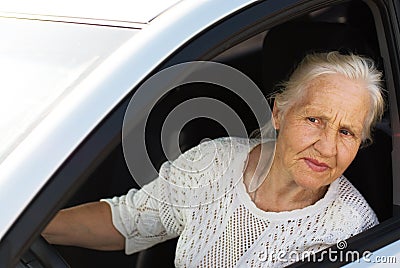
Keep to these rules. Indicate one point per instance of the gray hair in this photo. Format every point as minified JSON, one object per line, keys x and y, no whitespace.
{"x":352,"y":66}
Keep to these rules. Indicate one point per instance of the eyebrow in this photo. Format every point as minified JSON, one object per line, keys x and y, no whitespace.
{"x":324,"y":115}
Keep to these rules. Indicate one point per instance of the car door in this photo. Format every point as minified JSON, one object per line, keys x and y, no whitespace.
{"x":243,"y":40}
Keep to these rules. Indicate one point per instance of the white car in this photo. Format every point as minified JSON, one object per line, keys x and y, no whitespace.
{"x":69,"y":69}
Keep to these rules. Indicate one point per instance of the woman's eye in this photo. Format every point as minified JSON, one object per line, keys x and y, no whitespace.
{"x":346,"y":132}
{"x":312,"y":119}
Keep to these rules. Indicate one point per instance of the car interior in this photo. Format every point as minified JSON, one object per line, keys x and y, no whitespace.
{"x":267,"y":56}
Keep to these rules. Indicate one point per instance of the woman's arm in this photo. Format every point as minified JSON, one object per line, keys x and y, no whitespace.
{"x":88,"y":225}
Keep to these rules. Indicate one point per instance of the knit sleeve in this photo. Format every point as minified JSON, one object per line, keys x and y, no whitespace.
{"x":159,"y":210}
{"x":141,"y":218}
{"x":348,"y":215}
{"x":369,"y":220}
{"x":359,"y":210}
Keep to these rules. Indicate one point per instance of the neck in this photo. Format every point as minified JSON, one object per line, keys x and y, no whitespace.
{"x":279,"y":192}
{"x":275,"y":195}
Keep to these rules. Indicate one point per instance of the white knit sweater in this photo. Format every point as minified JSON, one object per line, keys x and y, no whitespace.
{"x":201,"y":198}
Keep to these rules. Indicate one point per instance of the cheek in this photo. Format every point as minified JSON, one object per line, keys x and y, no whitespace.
{"x":302,"y":136}
{"x":346,"y":155}
{"x":294,"y":143}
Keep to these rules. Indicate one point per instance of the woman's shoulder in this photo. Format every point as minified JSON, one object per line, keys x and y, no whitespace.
{"x":349,"y":194}
{"x":206,"y":168}
{"x":227,"y":143}
{"x":355,"y":204}
{"x":210,"y":154}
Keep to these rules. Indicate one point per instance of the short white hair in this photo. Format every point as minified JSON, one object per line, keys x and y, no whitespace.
{"x":354,"y":67}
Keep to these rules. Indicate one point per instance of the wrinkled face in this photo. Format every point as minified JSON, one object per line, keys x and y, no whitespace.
{"x":320,"y":134}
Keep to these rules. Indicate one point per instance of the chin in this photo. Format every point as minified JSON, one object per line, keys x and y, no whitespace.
{"x":312,"y":183}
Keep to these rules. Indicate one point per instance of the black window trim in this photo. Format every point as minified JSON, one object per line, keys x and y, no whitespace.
{"x":371,"y":240}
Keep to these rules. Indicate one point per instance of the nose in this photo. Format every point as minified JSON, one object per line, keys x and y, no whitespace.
{"x":326,"y":145}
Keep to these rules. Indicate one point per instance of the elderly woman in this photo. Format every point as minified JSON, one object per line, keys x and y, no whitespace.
{"x":302,"y":204}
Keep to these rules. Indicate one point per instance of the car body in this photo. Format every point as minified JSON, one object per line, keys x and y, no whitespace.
{"x":76,"y":66}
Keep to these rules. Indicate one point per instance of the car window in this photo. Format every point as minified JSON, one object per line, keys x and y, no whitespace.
{"x":266,"y":55}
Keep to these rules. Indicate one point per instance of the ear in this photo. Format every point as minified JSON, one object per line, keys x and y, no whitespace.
{"x":276,"y":116}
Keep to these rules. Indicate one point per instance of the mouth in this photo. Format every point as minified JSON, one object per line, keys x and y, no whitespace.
{"x":316,"y":166}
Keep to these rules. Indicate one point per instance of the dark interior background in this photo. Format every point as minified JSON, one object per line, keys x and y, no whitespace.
{"x":267,"y":59}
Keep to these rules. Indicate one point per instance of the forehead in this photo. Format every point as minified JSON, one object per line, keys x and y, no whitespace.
{"x":337,"y":88}
{"x":337,"y":95}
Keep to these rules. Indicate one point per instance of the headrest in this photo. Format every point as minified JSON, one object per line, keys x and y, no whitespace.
{"x":285,"y":45}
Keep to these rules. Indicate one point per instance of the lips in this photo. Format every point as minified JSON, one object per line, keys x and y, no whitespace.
{"x":315,"y":165}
